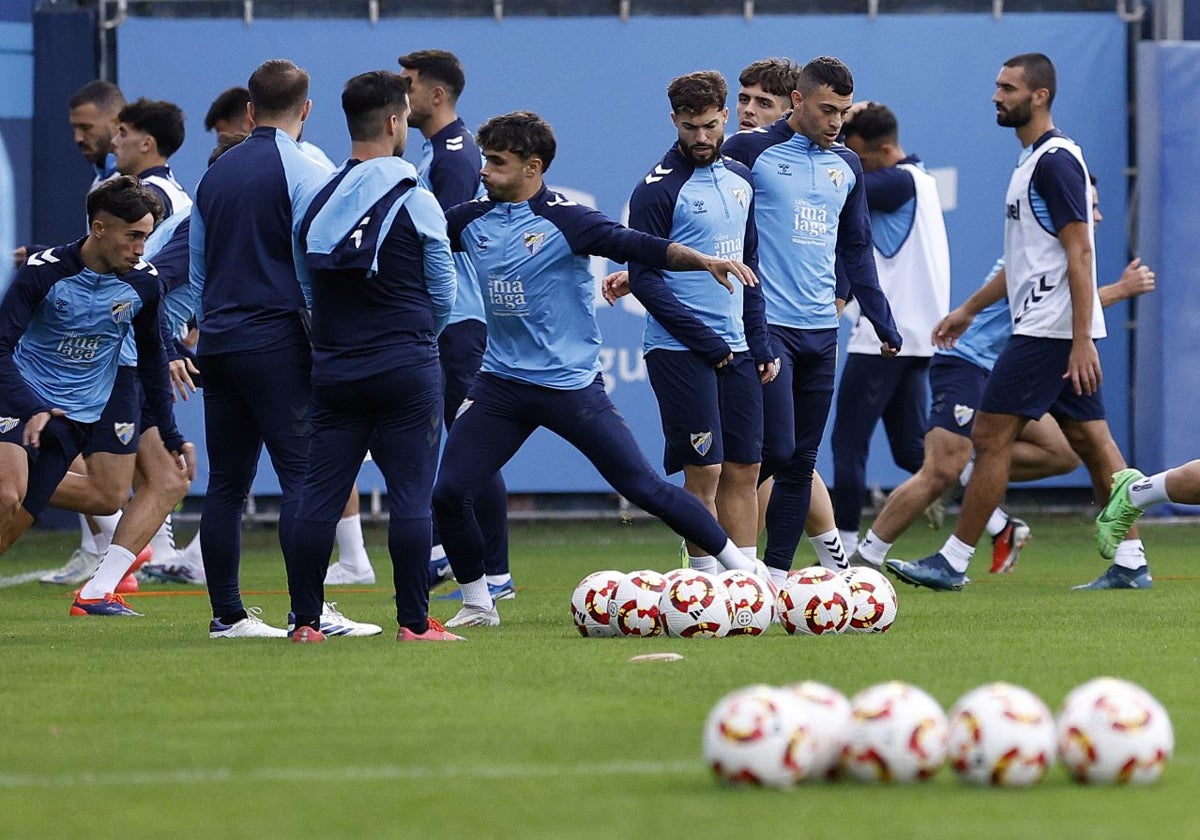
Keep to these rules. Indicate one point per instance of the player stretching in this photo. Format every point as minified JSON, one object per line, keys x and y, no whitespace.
{"x":530,"y":247}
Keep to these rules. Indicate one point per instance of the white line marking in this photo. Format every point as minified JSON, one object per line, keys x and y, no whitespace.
{"x":383,"y":772}
{"x":17,"y":580}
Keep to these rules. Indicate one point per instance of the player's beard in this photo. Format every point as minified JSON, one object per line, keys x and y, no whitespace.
{"x":1015,"y":117}
{"x":708,"y":157}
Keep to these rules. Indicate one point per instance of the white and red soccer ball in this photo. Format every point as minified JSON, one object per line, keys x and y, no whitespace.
{"x":753,"y":603}
{"x":827,"y":718}
{"x":756,"y":736}
{"x":872,"y":600}
{"x":589,"y":603}
{"x":814,"y":601}
{"x":898,"y":734}
{"x":1112,"y":731}
{"x":695,"y":605}
{"x":633,"y":608}
{"x":1001,"y":735}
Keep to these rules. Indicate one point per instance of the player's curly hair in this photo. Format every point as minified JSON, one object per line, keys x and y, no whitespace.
{"x":697,"y":92}
{"x":776,"y":76}
{"x":523,"y":133}
{"x":161,"y":120}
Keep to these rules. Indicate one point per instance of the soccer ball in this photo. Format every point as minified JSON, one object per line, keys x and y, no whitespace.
{"x":755,"y":736}
{"x":1001,"y":735}
{"x":898,"y":734}
{"x":872,"y":600}
{"x":1114,"y":731}
{"x":695,"y":604}
{"x":752,"y":601}
{"x":589,"y":603}
{"x":827,"y":720}
{"x":633,"y":606}
{"x":814,"y":601}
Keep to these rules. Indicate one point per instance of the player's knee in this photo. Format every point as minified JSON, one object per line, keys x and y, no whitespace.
{"x":110,"y":498}
{"x":11,"y":496}
{"x":449,"y":500}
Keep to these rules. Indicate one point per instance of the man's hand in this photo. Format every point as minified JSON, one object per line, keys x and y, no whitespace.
{"x":1083,"y":367}
{"x":721,"y":269}
{"x":185,"y":460}
{"x":767,"y":371}
{"x":182,"y":371}
{"x":887,"y":351}
{"x":615,"y":285}
{"x":1136,"y":279}
{"x":32,"y":436}
{"x":19,"y":257}
{"x":950,"y":329}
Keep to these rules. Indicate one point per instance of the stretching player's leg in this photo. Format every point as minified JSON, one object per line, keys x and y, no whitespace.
{"x":1133,"y":493}
{"x":165,"y":484}
{"x":590,"y":422}
{"x":14,"y":479}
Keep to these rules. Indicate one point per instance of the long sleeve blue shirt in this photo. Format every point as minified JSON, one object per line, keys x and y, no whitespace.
{"x":531,"y":258}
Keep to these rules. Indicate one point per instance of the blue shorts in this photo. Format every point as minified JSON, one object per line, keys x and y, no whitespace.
{"x":61,"y":441}
{"x":119,"y":426}
{"x":957,"y":388}
{"x":709,"y":415}
{"x":1027,"y":381}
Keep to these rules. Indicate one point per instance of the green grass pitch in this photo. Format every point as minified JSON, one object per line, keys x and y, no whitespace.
{"x":131,"y":728}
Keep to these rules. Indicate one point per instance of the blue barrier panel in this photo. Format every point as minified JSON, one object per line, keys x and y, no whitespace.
{"x":1168,"y":345}
{"x":601,"y":84}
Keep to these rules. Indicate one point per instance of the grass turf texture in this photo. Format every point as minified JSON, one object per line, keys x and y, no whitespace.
{"x":146,"y":728}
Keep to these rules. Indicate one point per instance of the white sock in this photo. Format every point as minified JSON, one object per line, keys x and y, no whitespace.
{"x":731,"y":557}
{"x":498,"y":580}
{"x":778,"y":576}
{"x":1149,"y":491}
{"x":957,"y":553}
{"x":86,"y":541}
{"x":108,"y":525}
{"x":830,"y":552}
{"x":996,"y":522}
{"x":475,"y":594}
{"x":705,"y":563}
{"x":437,"y":552}
{"x":964,"y":477}
{"x":1131,"y":554}
{"x":751,"y":551}
{"x":849,"y":540}
{"x":352,"y":552}
{"x":873,"y":548}
{"x":113,"y":567}
{"x":163,"y":544}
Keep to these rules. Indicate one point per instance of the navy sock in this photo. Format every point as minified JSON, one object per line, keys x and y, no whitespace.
{"x":232,"y":618}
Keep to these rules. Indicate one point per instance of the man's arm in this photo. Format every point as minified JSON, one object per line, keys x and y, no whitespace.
{"x":856,"y":250}
{"x":952,"y":327}
{"x":441,"y":280}
{"x":652,"y":210}
{"x":1135,"y":281}
{"x":27,"y":291}
{"x":152,"y":365}
{"x":1083,"y":367}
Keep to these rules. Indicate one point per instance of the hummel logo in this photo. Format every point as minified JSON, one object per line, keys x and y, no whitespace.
{"x":1141,"y":485}
{"x":1035,"y":296}
{"x":43,"y":258}
{"x":454,"y":144}
{"x":561,"y":200}
{"x":658,"y":174}
{"x":785,"y":169}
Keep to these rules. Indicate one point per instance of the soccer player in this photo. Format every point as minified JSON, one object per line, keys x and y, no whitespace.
{"x":251,"y":288}
{"x":1050,"y":364}
{"x":541,"y":367}
{"x":449,"y":168}
{"x":810,"y":210}
{"x":764,"y":97}
{"x":707,"y":353}
{"x":912,"y":256}
{"x":61,"y":327}
{"x":383,"y":286}
{"x":92,"y":113}
{"x":230,"y":113}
